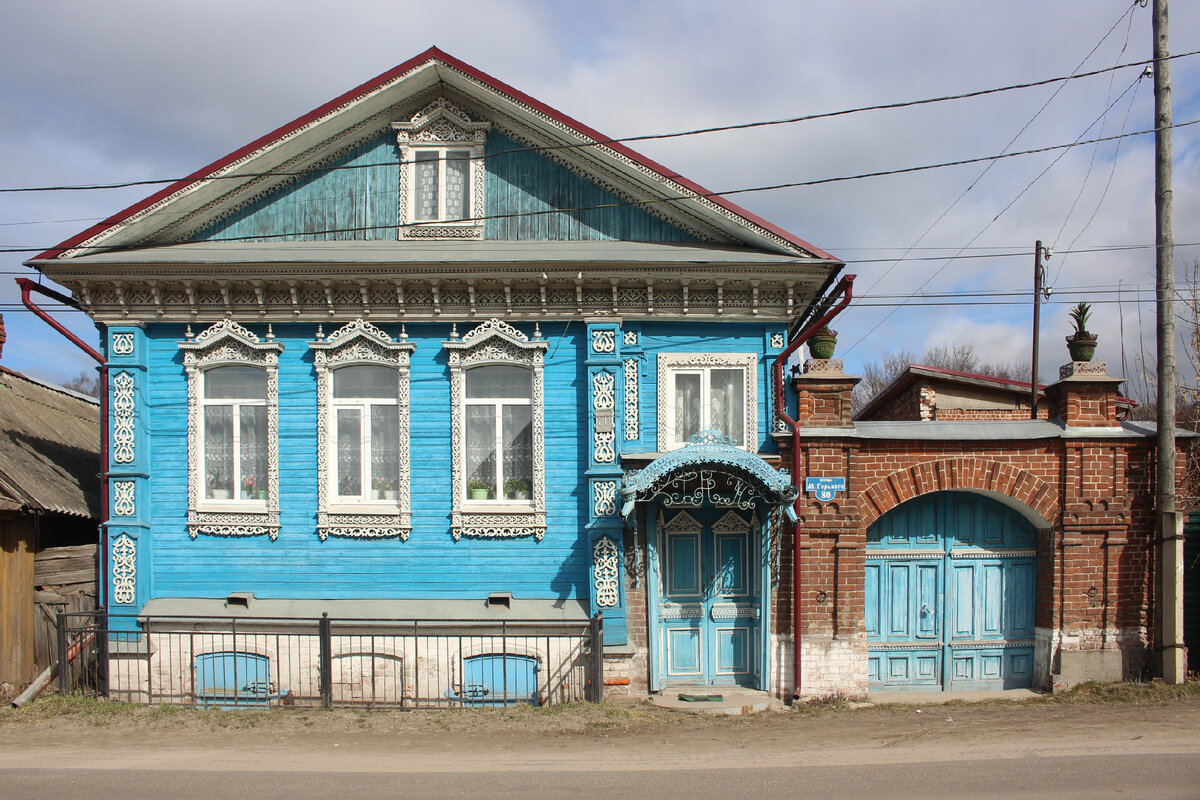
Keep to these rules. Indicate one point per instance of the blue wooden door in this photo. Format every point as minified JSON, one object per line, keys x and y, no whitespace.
{"x":708,"y":609}
{"x":949,"y":595}
{"x":232,"y":679}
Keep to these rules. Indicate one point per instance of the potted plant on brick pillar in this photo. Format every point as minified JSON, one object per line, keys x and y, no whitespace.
{"x":821,"y":344}
{"x":1081,"y":343}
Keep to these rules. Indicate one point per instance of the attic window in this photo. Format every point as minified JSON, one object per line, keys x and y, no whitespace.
{"x":441,"y":173}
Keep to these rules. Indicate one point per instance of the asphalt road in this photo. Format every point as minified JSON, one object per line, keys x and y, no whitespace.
{"x":1137,"y":775}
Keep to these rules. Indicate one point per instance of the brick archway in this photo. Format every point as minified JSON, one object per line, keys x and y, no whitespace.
{"x":980,"y":474}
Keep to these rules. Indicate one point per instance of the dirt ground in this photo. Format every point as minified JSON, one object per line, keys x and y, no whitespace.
{"x":1103,"y":719}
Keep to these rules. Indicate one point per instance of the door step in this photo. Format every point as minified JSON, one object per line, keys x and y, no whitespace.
{"x":732,"y":701}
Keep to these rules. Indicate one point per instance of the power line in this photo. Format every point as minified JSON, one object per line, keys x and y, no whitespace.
{"x":601,"y":142}
{"x":644,"y":202}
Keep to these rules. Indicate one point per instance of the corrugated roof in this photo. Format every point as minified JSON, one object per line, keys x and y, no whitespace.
{"x":49,"y":447}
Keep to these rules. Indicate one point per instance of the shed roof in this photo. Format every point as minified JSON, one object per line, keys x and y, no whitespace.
{"x":49,"y":448}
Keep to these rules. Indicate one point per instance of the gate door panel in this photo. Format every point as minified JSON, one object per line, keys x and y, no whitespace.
{"x":708,"y":608}
{"x":950,"y":595}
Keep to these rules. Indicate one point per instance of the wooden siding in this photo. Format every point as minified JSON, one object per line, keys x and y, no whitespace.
{"x":362,"y":202}
{"x":430,"y":565}
{"x":16,"y":600}
{"x":523,"y":182}
{"x":356,"y":203}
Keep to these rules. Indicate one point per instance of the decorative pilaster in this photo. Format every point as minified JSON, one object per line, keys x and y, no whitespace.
{"x":128,"y":525}
{"x":612,"y":378}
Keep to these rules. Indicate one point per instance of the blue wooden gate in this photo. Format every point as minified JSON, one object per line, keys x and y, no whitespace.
{"x":950,"y":595}
{"x":708,"y":608}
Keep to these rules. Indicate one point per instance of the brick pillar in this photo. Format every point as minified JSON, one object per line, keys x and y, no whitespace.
{"x":823,"y":394}
{"x":1085,"y":396}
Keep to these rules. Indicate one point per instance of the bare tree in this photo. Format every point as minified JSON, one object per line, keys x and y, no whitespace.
{"x":877,"y":374}
{"x":86,"y":382}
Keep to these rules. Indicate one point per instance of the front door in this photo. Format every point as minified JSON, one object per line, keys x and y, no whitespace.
{"x":708,"y":599}
{"x":949,"y":595}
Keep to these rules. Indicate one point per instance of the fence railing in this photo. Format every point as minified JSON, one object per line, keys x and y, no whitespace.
{"x":270,"y":662}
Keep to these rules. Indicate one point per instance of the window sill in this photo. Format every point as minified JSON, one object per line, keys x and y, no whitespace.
{"x":497,"y":507}
{"x":233,"y":506}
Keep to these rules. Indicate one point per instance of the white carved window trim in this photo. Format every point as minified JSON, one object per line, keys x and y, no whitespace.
{"x":671,"y":363}
{"x":223,"y":344}
{"x":360,"y":343}
{"x":441,"y":127}
{"x":495,"y":343}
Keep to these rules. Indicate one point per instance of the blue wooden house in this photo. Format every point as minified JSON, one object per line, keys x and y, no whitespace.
{"x":436,"y":351}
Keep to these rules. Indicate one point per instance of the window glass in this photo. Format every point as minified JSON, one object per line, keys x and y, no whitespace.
{"x":518,"y":451}
{"x":385,"y":454}
{"x":349,"y":452}
{"x":726,"y":401}
{"x":425,"y":179}
{"x":499,"y":382}
{"x":366,"y":381}
{"x":481,"y":452}
{"x":252,"y":451}
{"x":242,"y":383}
{"x":457,"y":171}
{"x":218,"y":452}
{"x":687,"y":406}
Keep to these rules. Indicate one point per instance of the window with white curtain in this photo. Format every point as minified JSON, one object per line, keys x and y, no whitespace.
{"x":498,"y":406}
{"x":235,"y":453}
{"x":441,"y":184}
{"x":366,"y":435}
{"x":706,"y":392}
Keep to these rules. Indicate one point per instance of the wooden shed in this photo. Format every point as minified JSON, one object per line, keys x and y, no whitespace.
{"x":49,"y":513}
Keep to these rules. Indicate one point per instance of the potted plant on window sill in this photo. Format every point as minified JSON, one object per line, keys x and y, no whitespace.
{"x":821,"y":343}
{"x":516,"y":489}
{"x":385,"y":489}
{"x":215,"y":492}
{"x":479,"y":490}
{"x":1081,"y":344}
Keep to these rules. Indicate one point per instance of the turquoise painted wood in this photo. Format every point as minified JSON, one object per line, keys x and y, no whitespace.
{"x":708,"y":603}
{"x":228,"y":679}
{"x":356,"y":200}
{"x":522,"y":186}
{"x":430,"y":565}
{"x":497,"y":679}
{"x":949,"y":595}
{"x":359,"y":199}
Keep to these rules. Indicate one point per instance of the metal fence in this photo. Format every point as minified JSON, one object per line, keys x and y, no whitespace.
{"x":265,"y":662}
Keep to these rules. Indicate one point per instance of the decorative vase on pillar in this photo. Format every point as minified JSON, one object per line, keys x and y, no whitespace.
{"x":1081,"y":344}
{"x":822,"y":343}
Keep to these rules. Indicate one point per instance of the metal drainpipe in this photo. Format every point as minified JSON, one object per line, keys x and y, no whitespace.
{"x":846,"y":288}
{"x":28,"y":286}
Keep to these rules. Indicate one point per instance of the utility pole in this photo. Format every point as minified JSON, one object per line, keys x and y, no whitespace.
{"x":1039,"y":277}
{"x":1170,"y":527}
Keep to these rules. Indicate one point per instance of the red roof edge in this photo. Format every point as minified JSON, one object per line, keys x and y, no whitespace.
{"x":432,"y":54}
{"x":1016,"y":384}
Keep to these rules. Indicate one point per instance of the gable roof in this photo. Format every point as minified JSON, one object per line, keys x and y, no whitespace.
{"x":299,"y":145}
{"x":49,"y":448}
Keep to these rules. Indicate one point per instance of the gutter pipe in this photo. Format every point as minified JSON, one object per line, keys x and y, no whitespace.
{"x":28,"y":286}
{"x":845,"y":288}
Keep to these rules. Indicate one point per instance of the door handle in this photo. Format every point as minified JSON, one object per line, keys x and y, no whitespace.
{"x":924,"y":610}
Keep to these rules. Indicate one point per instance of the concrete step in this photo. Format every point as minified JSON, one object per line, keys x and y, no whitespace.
{"x":734,"y":700}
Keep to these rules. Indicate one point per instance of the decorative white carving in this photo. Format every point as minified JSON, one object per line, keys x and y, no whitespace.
{"x":122,"y":344}
{"x":604,"y":341}
{"x":441,"y":124}
{"x":123,"y":420}
{"x":632,"y":424}
{"x":495,"y":342}
{"x":124,"y":570}
{"x":681,"y":523}
{"x":605,"y":498}
{"x":731,"y":523}
{"x":360,"y":342}
{"x":631,"y":338}
{"x":778,"y":339}
{"x":228,"y":343}
{"x":680,"y":612}
{"x":669,"y":362}
{"x":604,"y":400}
{"x":1082,"y":368}
{"x":734,"y":612}
{"x":606,"y":562}
{"x":123,"y":499}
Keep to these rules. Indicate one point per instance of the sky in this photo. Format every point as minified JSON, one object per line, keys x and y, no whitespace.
{"x":125,"y":90}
